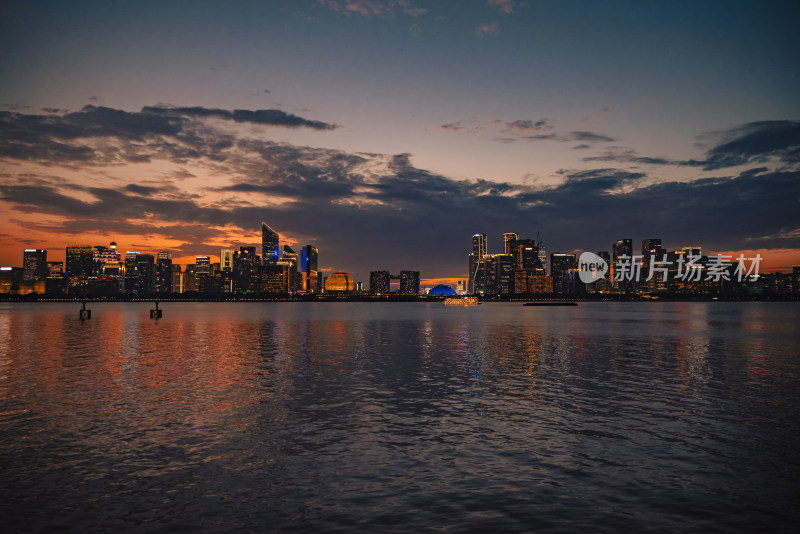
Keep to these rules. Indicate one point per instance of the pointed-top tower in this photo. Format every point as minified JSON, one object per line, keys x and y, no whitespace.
{"x":269,"y":245}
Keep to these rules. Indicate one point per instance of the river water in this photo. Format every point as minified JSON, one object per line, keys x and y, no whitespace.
{"x":396,"y":417}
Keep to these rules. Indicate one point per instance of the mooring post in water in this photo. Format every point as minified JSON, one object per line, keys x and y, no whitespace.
{"x":85,"y":314}
{"x":155,"y":313}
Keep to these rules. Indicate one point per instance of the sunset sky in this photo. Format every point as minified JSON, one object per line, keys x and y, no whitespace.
{"x":387,"y":132}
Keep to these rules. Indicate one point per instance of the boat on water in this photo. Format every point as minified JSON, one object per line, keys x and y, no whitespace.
{"x":550,"y":303}
{"x":461,"y":301}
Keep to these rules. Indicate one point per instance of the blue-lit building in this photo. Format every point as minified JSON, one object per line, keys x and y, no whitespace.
{"x":442,"y":290}
{"x":269,"y":245}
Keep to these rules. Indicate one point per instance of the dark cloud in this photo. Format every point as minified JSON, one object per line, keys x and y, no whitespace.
{"x":273,"y":117}
{"x":589,"y":137}
{"x":141,"y":189}
{"x":757,"y":142}
{"x":104,"y":135}
{"x":617,"y":155}
{"x":752,"y":143}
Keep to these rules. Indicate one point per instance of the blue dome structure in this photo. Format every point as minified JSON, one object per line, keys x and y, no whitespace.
{"x":442,"y":290}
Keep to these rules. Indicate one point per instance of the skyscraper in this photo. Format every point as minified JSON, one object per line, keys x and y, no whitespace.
{"x":163,"y":272}
{"x":34,"y":264}
{"x":102,"y":255}
{"x":379,"y":282}
{"x":498,"y":270}
{"x":543,"y":256}
{"x":79,"y":261}
{"x":130,"y":271}
{"x":477,"y":274}
{"x":652,"y":250}
{"x":510,"y":243}
{"x":309,"y":260}
{"x":226,"y":259}
{"x":409,"y":283}
{"x":479,"y":246}
{"x":563,"y":268}
{"x":527,"y":256}
{"x":245,"y":270}
{"x":623,"y":247}
{"x":290,"y":262}
{"x":270,"y":250}
{"x":145,"y":274}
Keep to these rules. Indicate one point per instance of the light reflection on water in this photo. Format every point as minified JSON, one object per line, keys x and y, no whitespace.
{"x":359,"y":416}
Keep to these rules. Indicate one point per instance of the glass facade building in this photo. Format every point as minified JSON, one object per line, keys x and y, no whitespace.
{"x":270,"y":248}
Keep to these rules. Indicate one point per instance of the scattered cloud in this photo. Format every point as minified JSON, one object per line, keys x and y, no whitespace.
{"x":505,"y":131}
{"x":452,"y":127}
{"x":527,"y":125}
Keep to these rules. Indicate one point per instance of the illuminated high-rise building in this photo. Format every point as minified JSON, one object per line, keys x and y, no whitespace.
{"x":542,"y":256}
{"x":163,"y":283}
{"x":290,"y":261}
{"x":479,"y":246}
{"x":652,"y":250}
{"x":102,"y":254}
{"x":79,"y":261}
{"x":564,"y":271}
{"x":461,"y":287}
{"x":270,"y":250}
{"x":477,"y":271}
{"x":527,"y":256}
{"x":246,"y":270}
{"x":380,"y":282}
{"x":202,"y":265}
{"x":499,"y":273}
{"x":409,"y":283}
{"x":309,"y":269}
{"x":226,"y":259}
{"x":510,"y":243}
{"x":145,"y":274}
{"x":34,"y":264}
{"x":130,"y":271}
{"x":176,"y":280}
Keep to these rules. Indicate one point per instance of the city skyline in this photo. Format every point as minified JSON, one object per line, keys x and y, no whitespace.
{"x":394,"y":130}
{"x":523,"y":267}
